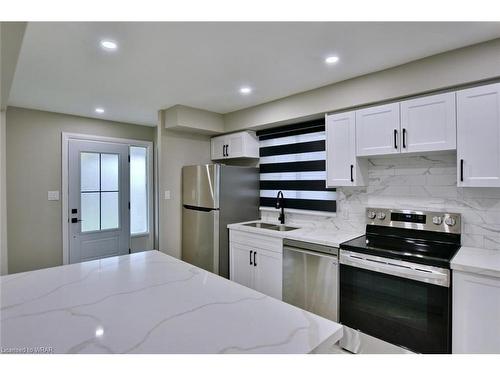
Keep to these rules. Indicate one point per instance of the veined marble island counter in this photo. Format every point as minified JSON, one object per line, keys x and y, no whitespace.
{"x":150,"y":302}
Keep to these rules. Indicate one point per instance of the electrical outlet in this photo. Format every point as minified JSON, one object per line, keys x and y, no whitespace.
{"x":53,"y":195}
{"x":167,"y":194}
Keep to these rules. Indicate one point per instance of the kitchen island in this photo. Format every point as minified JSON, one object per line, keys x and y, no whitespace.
{"x":150,"y":302}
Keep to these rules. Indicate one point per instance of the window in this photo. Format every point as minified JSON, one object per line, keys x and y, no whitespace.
{"x":139,"y":213}
{"x":292,"y":159}
{"x":99,"y":191}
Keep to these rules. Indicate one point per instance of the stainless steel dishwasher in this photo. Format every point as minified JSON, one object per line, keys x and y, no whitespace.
{"x":310,"y":277}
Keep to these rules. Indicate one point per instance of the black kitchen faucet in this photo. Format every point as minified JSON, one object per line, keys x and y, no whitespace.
{"x":280,"y":203}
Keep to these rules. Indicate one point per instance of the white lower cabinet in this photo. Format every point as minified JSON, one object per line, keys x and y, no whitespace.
{"x":255,"y":261}
{"x":268,"y":273}
{"x":241,"y":269}
{"x":476,"y":313}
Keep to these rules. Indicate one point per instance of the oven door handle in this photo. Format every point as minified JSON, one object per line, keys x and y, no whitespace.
{"x":413,"y":271}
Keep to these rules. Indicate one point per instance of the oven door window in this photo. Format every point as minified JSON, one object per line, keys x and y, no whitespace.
{"x":408,"y":313}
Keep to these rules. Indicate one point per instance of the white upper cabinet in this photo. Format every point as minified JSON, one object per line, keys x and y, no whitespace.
{"x":235,"y":145}
{"x":429,"y":123}
{"x":218,"y":148}
{"x":478,"y":136}
{"x":342,"y":167}
{"x":377,"y":130}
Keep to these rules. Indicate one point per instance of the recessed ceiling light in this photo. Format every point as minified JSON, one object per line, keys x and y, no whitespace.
{"x":99,"y":110}
{"x":109,"y":45}
{"x":99,"y":332}
{"x":245,"y":90}
{"x":331,"y":59}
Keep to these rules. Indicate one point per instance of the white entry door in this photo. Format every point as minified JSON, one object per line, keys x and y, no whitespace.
{"x":99,"y":191}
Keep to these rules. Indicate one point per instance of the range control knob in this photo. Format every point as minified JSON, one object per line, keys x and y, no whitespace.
{"x":381,"y":215}
{"x":371,"y":214}
{"x":450,"y":221}
{"x":437,"y":220}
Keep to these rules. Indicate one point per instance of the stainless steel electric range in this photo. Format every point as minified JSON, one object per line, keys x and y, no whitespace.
{"x":395,"y":281}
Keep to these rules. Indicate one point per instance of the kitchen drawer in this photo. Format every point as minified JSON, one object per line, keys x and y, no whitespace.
{"x":257,"y":240}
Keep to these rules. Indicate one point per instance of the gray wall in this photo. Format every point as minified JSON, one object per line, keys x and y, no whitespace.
{"x":176,"y":150}
{"x":33,"y":168}
{"x":3,"y":202}
{"x":11,"y":38}
{"x":465,"y":65}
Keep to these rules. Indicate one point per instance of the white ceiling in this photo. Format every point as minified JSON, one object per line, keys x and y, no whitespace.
{"x":62,"y":69}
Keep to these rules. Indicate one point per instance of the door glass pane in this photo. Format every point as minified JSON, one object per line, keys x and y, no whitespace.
{"x":90,"y":212}
{"x":109,"y":172}
{"x":89,"y":162}
{"x":109,"y":210}
{"x":138,"y":190}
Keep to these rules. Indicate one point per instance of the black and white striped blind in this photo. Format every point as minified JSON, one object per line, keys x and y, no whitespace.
{"x":292,"y":159}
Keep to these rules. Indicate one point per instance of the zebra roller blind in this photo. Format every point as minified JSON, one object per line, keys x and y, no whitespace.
{"x":292,"y":159}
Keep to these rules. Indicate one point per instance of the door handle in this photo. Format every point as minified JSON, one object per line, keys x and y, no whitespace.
{"x":462,"y":170}
{"x":75,"y":220}
{"x":251,"y":257}
{"x":227,"y":148}
{"x":395,"y":138}
{"x":223,"y":150}
{"x":404,"y":138}
{"x":352,"y":175}
{"x":254,"y":260}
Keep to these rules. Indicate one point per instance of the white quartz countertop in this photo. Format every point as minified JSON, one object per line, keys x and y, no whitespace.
{"x":322,"y":236}
{"x":476,"y":260}
{"x":150,"y":302}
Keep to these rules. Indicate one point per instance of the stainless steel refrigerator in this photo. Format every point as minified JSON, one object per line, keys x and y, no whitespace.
{"x":213,"y":196}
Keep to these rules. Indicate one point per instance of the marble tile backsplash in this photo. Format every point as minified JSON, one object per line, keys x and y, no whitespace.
{"x":415,"y":182}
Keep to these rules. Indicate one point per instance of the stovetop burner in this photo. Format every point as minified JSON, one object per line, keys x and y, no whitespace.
{"x":431,"y":238}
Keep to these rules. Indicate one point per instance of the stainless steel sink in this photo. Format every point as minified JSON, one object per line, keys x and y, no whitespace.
{"x":280,"y":227}
{"x":284,"y":228}
{"x":260,"y":225}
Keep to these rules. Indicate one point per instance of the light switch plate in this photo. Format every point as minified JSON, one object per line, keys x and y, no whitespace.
{"x":53,"y":195}
{"x":167,"y":194}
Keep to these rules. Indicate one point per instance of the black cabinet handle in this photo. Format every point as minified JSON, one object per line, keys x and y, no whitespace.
{"x":227,"y":148}
{"x":254,"y":260}
{"x":395,"y":138}
{"x":251,"y":257}
{"x":352,"y":174}
{"x":404,"y":138}
{"x":224,"y":151}
{"x":461,"y":170}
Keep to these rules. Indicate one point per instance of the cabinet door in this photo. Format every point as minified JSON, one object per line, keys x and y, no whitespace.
{"x":241,"y":271}
{"x":250,"y":145}
{"x":476,"y":313}
{"x":217,"y":147}
{"x":341,"y":166}
{"x":429,"y":123}
{"x":478,"y":136}
{"x":268,"y":273}
{"x":235,"y":148}
{"x":377,"y":130}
